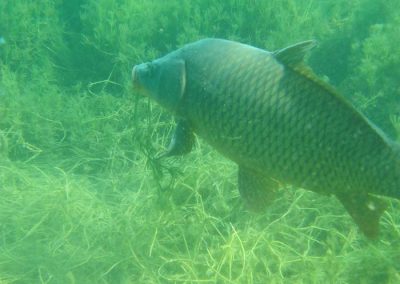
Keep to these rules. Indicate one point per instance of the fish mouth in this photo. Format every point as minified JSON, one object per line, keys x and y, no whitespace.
{"x":134,"y":76}
{"x":135,"y":81}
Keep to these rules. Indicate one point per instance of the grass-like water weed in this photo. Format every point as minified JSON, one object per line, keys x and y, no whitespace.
{"x":83,"y":196}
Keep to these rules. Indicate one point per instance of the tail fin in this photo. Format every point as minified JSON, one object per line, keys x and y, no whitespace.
{"x":366,"y":210}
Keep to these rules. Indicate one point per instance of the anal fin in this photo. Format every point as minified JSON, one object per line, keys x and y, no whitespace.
{"x":366,"y":210}
{"x":256,"y":190}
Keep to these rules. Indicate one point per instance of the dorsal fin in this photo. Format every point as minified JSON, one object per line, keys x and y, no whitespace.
{"x":307,"y":72}
{"x":293,"y":57}
{"x":294,"y":54}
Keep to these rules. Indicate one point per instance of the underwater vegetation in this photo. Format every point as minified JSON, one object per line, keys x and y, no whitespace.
{"x":83,"y":198}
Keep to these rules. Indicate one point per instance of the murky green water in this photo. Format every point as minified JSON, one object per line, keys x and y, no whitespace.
{"x":83,"y":198}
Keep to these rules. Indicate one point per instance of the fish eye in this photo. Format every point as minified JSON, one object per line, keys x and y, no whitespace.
{"x":150,"y":68}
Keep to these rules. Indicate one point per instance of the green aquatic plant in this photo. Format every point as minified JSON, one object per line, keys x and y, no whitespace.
{"x":379,"y":70}
{"x":84,"y":198}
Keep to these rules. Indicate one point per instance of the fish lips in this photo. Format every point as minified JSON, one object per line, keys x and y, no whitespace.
{"x":135,"y":77}
{"x":136,"y":81}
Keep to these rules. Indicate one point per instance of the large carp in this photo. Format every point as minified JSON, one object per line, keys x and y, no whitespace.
{"x":269,"y":113}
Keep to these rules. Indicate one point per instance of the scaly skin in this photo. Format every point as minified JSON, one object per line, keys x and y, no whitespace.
{"x":271,"y":118}
{"x":271,"y":115}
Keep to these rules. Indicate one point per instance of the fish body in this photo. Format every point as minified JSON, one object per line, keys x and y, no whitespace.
{"x":269,"y":113}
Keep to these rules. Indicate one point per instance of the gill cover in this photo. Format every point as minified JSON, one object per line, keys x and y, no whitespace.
{"x":164,"y":80}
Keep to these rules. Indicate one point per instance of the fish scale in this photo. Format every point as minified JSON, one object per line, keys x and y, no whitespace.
{"x":284,"y":124}
{"x":269,"y":113}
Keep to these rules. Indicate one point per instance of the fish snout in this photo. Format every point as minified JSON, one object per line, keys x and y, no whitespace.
{"x":142,"y":78}
{"x":141,"y":75}
{"x":136,"y":80}
{"x":134,"y":76}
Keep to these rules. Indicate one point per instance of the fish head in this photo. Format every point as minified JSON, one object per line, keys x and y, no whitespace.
{"x":163,"y":80}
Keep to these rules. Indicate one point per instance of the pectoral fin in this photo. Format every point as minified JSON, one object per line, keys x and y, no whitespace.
{"x":256,"y":190}
{"x":365,"y":210}
{"x":182,"y":140}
